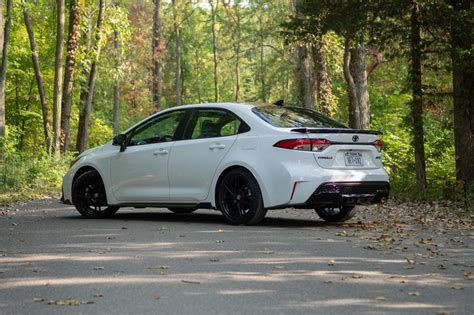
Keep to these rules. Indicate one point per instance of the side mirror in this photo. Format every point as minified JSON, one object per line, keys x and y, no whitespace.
{"x":120,"y":140}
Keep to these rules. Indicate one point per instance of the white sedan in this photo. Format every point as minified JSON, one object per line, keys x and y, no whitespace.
{"x":241,"y":159}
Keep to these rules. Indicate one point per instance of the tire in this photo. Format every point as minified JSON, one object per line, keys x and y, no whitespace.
{"x":182,"y":210}
{"x":239,"y":198}
{"x":336,"y":214}
{"x":89,"y":197}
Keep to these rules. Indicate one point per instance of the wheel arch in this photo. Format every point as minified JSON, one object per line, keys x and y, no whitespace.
{"x":83,"y":170}
{"x":233,"y":167}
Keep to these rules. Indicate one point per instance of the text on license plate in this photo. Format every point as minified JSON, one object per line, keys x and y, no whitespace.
{"x":353,"y":159}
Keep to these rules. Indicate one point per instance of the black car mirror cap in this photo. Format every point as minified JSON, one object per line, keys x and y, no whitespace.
{"x":120,"y":140}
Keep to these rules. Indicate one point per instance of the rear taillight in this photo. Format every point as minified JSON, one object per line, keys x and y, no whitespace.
{"x":315,"y":145}
{"x":378,"y":145}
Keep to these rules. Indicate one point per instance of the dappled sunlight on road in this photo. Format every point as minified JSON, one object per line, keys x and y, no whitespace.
{"x":289,"y":263}
{"x":334,"y":303}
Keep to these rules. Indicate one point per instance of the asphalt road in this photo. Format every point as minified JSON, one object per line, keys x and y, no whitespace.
{"x":154,"y":261}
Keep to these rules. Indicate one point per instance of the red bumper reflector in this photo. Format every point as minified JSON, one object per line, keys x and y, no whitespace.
{"x":293,"y":191}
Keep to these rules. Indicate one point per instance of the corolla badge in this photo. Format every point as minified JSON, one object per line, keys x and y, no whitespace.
{"x":355,"y":138}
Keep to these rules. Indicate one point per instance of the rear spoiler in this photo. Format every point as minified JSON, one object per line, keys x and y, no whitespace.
{"x":336,"y":130}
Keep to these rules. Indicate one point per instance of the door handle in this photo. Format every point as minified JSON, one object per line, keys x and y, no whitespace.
{"x":217,"y":146}
{"x":160,"y":152}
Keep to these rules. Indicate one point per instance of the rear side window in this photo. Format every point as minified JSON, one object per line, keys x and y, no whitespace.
{"x":295,"y":117}
{"x":211,"y":123}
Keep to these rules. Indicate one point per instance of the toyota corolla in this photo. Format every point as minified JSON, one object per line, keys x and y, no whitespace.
{"x":240,"y":159}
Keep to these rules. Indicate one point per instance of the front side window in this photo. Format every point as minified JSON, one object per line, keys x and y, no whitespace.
{"x":162,"y":129}
{"x":211,"y":123}
{"x":294,"y":117}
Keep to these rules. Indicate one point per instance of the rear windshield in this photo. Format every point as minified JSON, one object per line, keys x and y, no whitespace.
{"x":294,"y":117}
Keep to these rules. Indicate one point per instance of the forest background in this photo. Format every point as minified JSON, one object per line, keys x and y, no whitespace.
{"x":74,"y":73}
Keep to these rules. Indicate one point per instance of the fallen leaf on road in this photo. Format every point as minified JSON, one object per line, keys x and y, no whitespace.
{"x":159,"y":267}
{"x":190,"y":282}
{"x":414,"y":293}
{"x":469,"y":275}
{"x":36,"y":300}
{"x":65,"y":302}
{"x":410,"y":261}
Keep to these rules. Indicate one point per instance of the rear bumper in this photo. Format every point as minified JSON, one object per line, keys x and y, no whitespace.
{"x":349,"y":193}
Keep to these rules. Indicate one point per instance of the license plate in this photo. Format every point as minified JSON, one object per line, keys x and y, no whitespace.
{"x":353,"y":159}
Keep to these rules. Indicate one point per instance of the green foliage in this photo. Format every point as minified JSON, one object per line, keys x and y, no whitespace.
{"x":29,"y":172}
{"x":266,"y":69}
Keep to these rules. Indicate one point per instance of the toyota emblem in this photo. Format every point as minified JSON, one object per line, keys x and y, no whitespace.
{"x":355,"y":138}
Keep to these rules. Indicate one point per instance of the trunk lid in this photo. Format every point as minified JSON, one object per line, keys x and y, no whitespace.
{"x":350,"y":148}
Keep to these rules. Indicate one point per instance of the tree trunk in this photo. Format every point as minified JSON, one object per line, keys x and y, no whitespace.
{"x":324,"y":94}
{"x":359,"y":74}
{"x":39,"y":79}
{"x":157,"y":54}
{"x":214,"y":10}
{"x":5,"y":41}
{"x":351,"y":90}
{"x":302,"y":69}
{"x":71,"y":56}
{"x":303,"y":76}
{"x":237,"y":41}
{"x":116,"y":107}
{"x":417,"y":102}
{"x":463,"y":95}
{"x":86,"y":108}
{"x":178,"y":53}
{"x":263,"y":87}
{"x":58,"y":74}
{"x":355,"y":75}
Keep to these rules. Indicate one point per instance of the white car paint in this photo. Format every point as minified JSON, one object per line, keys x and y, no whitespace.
{"x":187,"y":171}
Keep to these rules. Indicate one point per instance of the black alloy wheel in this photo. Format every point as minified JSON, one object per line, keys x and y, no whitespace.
{"x":336,"y":213}
{"x":182,"y":210}
{"x":239,"y":198}
{"x":89,"y":197}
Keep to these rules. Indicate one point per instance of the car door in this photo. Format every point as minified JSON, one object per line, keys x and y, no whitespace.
{"x":140,"y":173}
{"x":193,"y":161}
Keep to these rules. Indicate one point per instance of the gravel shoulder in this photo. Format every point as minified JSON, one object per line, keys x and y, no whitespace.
{"x":396,"y":258}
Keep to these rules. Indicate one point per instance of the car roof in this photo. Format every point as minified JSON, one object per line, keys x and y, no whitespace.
{"x":221,"y":105}
{"x":237,"y":107}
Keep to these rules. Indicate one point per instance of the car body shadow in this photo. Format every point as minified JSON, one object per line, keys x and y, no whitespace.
{"x":273,"y":220}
